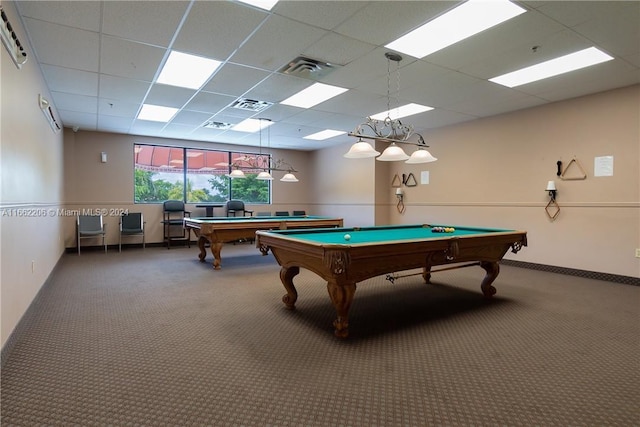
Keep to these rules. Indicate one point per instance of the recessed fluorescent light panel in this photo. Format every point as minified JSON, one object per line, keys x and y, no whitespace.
{"x":553,"y":67}
{"x":325,"y":134}
{"x":184,"y":70}
{"x":156,"y":113}
{"x":252,"y":125}
{"x":313,"y":95}
{"x":458,"y":24}
{"x":262,"y":4}
{"x":403,"y":111}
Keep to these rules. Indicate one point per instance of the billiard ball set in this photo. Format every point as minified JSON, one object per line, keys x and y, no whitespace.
{"x":443,"y":229}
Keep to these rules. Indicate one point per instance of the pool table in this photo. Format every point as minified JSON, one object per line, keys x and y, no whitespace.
{"x":372,"y":251}
{"x":221,"y":230}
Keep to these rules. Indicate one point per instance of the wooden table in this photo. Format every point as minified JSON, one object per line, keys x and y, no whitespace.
{"x":219,"y":230}
{"x":373,"y":251}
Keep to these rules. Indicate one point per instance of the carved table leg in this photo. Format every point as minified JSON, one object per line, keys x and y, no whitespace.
{"x":286,"y":277}
{"x":492,"y":269}
{"x":341,"y":296}
{"x":426,"y":273}
{"x":215,"y":250}
{"x":201,"y":244}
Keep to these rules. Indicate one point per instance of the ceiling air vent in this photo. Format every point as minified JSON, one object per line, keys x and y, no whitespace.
{"x":251,"y":104}
{"x":216,"y":125}
{"x":308,"y":68}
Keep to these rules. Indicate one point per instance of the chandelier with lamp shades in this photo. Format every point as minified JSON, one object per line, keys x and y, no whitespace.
{"x":262,"y":162}
{"x":390,"y":130}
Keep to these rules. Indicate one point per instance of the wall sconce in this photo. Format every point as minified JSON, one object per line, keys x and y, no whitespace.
{"x":551,"y":188}
{"x":103,"y":157}
{"x":400,"y":196}
{"x":552,"y":209}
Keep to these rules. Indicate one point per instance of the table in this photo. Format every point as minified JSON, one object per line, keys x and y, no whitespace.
{"x":209,"y":207}
{"x":219,"y":230}
{"x":373,"y":251}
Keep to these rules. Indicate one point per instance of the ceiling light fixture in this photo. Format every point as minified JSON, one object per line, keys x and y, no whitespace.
{"x":313,"y":95}
{"x":156,"y":113}
{"x":472,"y":17}
{"x":262,"y":162}
{"x":383,"y":127}
{"x":325,"y":134}
{"x":553,"y":67}
{"x":184,"y":70}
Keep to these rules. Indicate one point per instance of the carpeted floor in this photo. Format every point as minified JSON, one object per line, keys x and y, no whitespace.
{"x":156,"y":338}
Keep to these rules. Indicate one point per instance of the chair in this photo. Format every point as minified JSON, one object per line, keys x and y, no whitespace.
{"x":282,"y":213}
{"x":174,"y":214}
{"x":237,"y":206}
{"x":299,"y":213}
{"x":89,"y":227}
{"x":131,"y":224}
{"x":263,"y":213}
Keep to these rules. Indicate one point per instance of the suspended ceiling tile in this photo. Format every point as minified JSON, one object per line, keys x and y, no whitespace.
{"x":207,"y":102}
{"x":322,"y":14}
{"x":129,"y":59}
{"x":107,"y":123}
{"x":118,"y":108}
{"x":215,"y":29}
{"x":73,"y":102}
{"x":71,"y":81}
{"x":123,"y":89}
{"x":235,"y":80}
{"x":169,"y":96}
{"x":84,"y":15}
{"x":276,"y":42}
{"x":150,"y":22}
{"x":64,"y":46}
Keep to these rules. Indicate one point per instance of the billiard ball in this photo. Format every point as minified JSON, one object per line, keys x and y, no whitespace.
{"x":347,"y":237}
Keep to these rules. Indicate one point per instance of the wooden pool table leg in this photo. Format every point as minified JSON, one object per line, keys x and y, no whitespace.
{"x":492,"y":269}
{"x":341,"y":295}
{"x":286,"y":277}
{"x":202,"y":241}
{"x":215,"y":250}
{"x":426,"y":273}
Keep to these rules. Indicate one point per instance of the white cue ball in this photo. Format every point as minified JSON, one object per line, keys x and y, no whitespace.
{"x":347,"y":237}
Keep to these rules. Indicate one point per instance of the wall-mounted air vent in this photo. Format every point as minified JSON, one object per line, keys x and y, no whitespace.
{"x":216,"y":125}
{"x":308,"y":68}
{"x":251,"y":104}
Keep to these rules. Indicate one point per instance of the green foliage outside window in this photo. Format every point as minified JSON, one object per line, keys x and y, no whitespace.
{"x":157,"y":185}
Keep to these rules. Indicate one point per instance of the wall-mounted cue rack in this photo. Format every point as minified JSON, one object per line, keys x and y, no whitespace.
{"x":11,"y":42}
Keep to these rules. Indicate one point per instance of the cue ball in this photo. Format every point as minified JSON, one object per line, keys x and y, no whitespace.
{"x":347,"y":237}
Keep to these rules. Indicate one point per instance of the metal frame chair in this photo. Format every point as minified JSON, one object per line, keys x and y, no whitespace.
{"x":131,"y":224}
{"x":235,"y":206}
{"x":89,"y":227}
{"x":173,"y":216}
{"x":282,"y":213}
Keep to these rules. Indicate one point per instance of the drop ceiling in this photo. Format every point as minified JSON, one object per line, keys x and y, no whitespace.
{"x":100,"y":60}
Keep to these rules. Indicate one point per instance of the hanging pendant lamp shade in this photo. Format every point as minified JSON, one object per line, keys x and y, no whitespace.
{"x":393,"y":153}
{"x":421,"y":156}
{"x":264,"y":175}
{"x":289,"y":177}
{"x":237,"y":173}
{"x":361,"y":150}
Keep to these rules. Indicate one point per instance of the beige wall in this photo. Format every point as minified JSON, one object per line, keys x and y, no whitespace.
{"x":493,"y":172}
{"x":31,"y":186}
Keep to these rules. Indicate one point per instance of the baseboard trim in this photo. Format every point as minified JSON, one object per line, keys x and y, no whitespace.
{"x":627,"y":280}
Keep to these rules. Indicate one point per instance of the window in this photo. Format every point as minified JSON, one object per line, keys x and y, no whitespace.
{"x":193,"y":175}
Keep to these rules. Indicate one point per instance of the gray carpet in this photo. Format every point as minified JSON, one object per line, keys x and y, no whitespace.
{"x":156,"y":338}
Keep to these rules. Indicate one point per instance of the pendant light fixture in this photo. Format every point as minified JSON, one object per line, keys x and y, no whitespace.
{"x":387,"y":127}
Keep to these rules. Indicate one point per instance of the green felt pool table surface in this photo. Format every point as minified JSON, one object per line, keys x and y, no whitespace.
{"x":379,"y":234}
